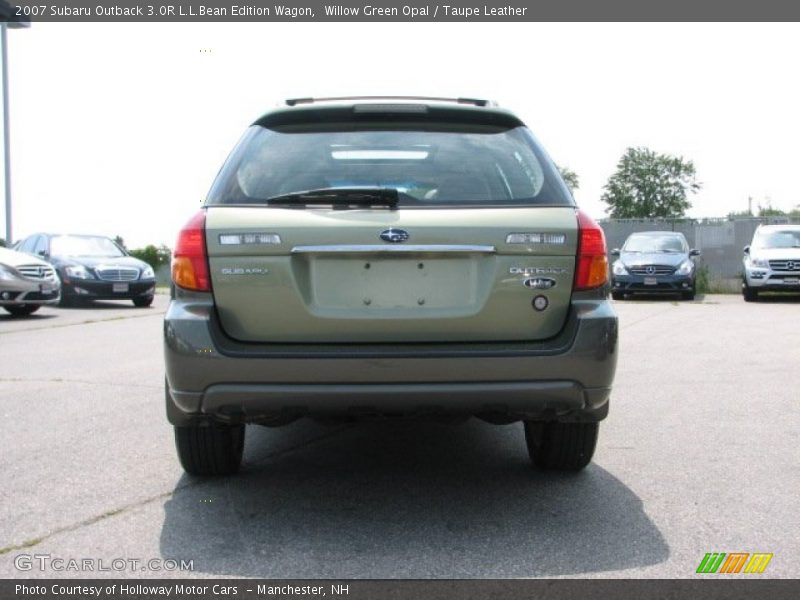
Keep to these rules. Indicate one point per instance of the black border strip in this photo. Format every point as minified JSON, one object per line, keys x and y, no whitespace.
{"x":380,"y":11}
{"x":745,"y":587}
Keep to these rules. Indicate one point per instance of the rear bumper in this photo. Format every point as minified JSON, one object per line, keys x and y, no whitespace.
{"x":776,"y":287}
{"x":554,"y":398}
{"x":565,"y":378}
{"x":16,"y":293}
{"x":767,"y":280}
{"x":665,"y":284}
{"x":92,"y":289}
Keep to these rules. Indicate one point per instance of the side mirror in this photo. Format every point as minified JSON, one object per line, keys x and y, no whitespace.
{"x":42,"y":253}
{"x":694,"y":252}
{"x":747,"y":249}
{"x":615,"y":252}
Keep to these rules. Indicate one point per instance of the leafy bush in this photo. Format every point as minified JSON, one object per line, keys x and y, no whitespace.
{"x":155,"y":257}
{"x":701,"y":281}
{"x":709,"y":283}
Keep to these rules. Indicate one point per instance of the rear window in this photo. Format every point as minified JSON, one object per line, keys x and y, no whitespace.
{"x":431,"y":168}
{"x":68,"y":245}
{"x":788,"y":238}
{"x":656,"y":243}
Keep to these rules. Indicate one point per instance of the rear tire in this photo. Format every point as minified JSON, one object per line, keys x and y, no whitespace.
{"x":561,"y":446}
{"x":749,"y":294}
{"x":618,"y":295}
{"x":22,"y":310}
{"x":143,"y":301}
{"x":210,"y":449}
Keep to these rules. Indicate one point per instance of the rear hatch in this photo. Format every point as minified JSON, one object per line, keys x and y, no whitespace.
{"x":333,"y":279}
{"x":436,"y":264}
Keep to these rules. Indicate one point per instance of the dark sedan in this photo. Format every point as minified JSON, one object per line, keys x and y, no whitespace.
{"x":93,"y":267}
{"x":654,"y":262}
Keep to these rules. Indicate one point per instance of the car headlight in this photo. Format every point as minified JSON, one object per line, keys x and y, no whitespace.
{"x":7,"y":274}
{"x":618,"y":268}
{"x":147,"y":273}
{"x":685,"y":268}
{"x":759,"y":262}
{"x":78,"y":272}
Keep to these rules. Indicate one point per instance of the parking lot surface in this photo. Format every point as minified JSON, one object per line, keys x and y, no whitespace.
{"x":699,"y":454}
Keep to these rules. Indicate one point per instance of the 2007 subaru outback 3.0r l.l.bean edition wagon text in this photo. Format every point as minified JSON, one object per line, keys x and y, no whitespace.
{"x":363,"y":257}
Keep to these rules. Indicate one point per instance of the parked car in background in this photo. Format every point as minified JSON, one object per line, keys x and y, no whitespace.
{"x":654,"y":262}
{"x":772,"y":261}
{"x":93,"y":267}
{"x":26,"y":283}
{"x":389,"y":257}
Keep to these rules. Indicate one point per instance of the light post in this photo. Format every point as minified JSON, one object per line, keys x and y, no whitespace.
{"x":7,"y":21}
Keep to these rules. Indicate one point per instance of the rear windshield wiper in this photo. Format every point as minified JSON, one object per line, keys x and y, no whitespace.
{"x":338,"y":197}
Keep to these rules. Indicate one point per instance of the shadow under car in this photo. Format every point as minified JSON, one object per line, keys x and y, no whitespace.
{"x":405,"y":500}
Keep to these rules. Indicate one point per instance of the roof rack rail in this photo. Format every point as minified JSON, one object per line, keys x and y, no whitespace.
{"x":473,"y":101}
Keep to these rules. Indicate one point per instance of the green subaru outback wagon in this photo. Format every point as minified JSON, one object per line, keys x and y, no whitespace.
{"x":380,"y":257}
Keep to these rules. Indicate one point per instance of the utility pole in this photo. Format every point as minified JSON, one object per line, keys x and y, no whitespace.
{"x":6,"y":133}
{"x":6,"y":22}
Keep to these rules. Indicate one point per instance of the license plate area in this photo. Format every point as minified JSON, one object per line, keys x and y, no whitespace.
{"x":368,"y":284}
{"x":791,"y":280}
{"x":120,"y":288}
{"x":650,"y":281}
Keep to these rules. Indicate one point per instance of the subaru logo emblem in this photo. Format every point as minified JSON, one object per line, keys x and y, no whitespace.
{"x":394,"y":236}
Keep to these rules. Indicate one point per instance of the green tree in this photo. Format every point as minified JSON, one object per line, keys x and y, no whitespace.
{"x":569,"y":176}
{"x":164,"y":254}
{"x":119,"y":242}
{"x":647,"y":184}
{"x":768,"y":211}
{"x":152,"y":255}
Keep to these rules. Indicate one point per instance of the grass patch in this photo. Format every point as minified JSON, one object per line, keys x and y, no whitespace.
{"x":26,"y":544}
{"x":706,"y":283}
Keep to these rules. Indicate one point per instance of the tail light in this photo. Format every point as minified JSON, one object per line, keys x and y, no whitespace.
{"x":190,"y":260}
{"x":592,"y":269}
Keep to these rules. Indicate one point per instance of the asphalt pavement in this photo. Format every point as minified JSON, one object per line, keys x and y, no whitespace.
{"x":699,"y":454}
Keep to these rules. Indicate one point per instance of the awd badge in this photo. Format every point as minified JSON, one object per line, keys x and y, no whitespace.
{"x":539,"y":283}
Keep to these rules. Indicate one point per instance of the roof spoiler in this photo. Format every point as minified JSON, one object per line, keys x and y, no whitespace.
{"x":471,"y":101}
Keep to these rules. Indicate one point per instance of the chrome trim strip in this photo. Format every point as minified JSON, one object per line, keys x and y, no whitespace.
{"x":394,"y":248}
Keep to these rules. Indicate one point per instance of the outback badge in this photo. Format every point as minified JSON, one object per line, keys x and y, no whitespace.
{"x":539,"y":283}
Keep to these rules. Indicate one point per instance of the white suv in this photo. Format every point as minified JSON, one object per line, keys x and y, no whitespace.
{"x":772,"y":261}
